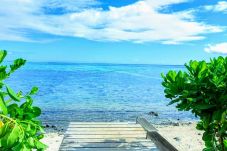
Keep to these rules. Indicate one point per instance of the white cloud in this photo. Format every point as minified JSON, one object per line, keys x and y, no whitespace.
{"x":221,"y":6}
{"x":139,"y":22}
{"x":70,"y":5}
{"x":217,"y":48}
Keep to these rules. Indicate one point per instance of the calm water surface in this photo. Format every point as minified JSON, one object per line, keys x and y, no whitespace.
{"x":98,"y":92}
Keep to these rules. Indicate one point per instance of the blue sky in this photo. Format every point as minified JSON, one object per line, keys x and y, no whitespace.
{"x":114,"y":31}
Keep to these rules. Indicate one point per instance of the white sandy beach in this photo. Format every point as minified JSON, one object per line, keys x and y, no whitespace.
{"x":184,"y":137}
{"x":53,"y":140}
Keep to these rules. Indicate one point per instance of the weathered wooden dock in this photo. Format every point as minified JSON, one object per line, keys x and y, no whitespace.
{"x":113,"y":136}
{"x":99,"y":136}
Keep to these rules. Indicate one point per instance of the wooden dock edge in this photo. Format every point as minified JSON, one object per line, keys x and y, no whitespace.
{"x":153,"y":134}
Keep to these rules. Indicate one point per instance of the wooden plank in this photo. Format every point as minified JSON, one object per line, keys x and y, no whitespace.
{"x":103,"y":132}
{"x":108,"y":145}
{"x":107,"y":129}
{"x":104,"y":123}
{"x":105,"y":126}
{"x":106,"y":136}
{"x":87,"y":140}
{"x":110,"y":149}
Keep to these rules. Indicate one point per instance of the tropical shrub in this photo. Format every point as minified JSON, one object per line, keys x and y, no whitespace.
{"x":202,"y":89}
{"x":20,"y":130}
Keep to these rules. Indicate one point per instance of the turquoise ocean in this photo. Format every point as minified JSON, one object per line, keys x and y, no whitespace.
{"x":98,"y":92}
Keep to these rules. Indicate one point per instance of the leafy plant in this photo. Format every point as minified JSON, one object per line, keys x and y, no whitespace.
{"x":202,"y":89}
{"x":20,"y":130}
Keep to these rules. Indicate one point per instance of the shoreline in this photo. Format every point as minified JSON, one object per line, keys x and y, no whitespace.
{"x":60,"y":129}
{"x":183,"y":135}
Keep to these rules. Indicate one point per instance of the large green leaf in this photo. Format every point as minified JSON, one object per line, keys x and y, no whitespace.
{"x":39,"y":145}
{"x":199,"y":126}
{"x":4,"y":129}
{"x":171,"y":75}
{"x":14,"y":135}
{"x":3,"y":54}
{"x":21,"y":147}
{"x":11,"y":137}
{"x":17,"y":64}
{"x":193,"y":66}
{"x":3,"y":107}
{"x":41,"y":136}
{"x":36,"y":111}
{"x":3,"y":73}
{"x":12,"y":94}
{"x":31,"y":142}
{"x":207,"y":137}
{"x":225,"y":143}
{"x":34,"y":90}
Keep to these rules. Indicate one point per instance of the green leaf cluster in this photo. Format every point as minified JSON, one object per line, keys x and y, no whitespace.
{"x":20,"y":130}
{"x":202,"y":89}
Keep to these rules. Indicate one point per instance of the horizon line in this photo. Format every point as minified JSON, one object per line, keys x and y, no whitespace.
{"x":104,"y":63}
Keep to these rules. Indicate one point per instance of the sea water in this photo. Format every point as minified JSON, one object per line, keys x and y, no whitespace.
{"x":98,"y":92}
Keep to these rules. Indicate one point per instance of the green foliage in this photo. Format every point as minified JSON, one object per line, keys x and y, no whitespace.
{"x":20,"y":130}
{"x":203,"y":91}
